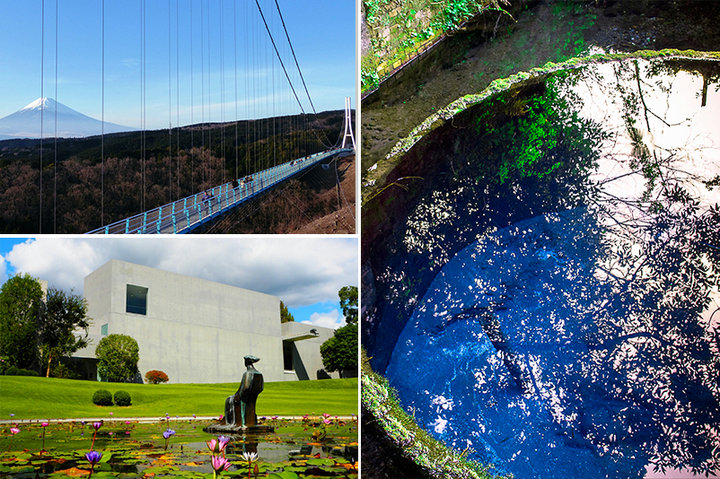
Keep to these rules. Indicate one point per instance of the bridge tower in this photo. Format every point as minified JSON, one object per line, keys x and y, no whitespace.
{"x":348,"y":124}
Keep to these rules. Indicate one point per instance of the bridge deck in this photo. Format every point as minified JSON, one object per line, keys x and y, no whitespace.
{"x":186,"y":214}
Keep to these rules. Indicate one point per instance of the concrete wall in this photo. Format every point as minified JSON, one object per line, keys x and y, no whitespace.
{"x":195,"y":330}
{"x":307,"y":361}
{"x":198,"y":331}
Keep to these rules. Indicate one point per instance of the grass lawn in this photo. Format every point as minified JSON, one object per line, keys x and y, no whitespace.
{"x":50,"y":398}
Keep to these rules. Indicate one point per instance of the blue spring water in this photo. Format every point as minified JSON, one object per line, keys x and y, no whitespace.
{"x":500,"y":357}
{"x":582,"y":340}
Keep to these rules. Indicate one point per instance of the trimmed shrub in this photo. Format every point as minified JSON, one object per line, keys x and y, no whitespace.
{"x":118,"y":355}
{"x":156,"y":377}
{"x":15,"y":371}
{"x":102,"y":397}
{"x":122,"y":398}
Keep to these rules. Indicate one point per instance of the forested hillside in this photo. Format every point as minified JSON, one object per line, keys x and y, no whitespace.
{"x":142,"y":170}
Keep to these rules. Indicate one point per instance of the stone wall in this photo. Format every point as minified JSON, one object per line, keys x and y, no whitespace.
{"x":395,"y":31}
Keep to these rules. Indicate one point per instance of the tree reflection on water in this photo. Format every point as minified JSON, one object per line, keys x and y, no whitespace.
{"x":577,"y":325}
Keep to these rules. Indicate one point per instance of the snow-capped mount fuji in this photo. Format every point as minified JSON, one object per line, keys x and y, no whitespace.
{"x":25,"y":123}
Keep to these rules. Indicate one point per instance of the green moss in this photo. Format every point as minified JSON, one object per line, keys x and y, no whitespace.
{"x":380,"y":400}
{"x":399,"y":31}
{"x":496,"y":86}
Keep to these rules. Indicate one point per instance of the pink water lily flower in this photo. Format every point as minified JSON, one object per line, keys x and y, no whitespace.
{"x":217,"y":446}
{"x":97,"y":425}
{"x":14,"y":430}
{"x":45,"y":424}
{"x":219,"y":463}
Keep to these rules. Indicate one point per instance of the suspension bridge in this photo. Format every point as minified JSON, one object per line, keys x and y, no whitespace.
{"x":215,"y":59}
{"x":189,"y":213}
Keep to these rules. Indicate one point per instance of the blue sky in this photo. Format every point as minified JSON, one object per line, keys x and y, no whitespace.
{"x":184,"y":53}
{"x":305,"y":272}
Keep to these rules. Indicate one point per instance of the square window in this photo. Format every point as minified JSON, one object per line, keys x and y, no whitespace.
{"x":136,"y":299}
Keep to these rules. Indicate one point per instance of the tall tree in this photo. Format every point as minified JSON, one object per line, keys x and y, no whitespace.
{"x":64,"y":315}
{"x":349,"y":303}
{"x":340,"y":352}
{"x":285,"y":316}
{"x":20,"y":308}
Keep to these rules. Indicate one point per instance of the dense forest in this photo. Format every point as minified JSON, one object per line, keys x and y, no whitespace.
{"x":319,"y":200}
{"x":79,"y":190}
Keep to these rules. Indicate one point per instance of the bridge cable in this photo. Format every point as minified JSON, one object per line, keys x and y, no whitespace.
{"x":302,"y":78}
{"x":177,"y":93}
{"x":253,"y":51}
{"x":294,"y":57}
{"x":248,"y":40}
{"x":42,"y":103}
{"x":102,"y":131}
{"x":143,"y":77}
{"x":192,"y":107}
{"x":236,"y":86}
{"x":142,"y":59}
{"x":208,"y":165}
{"x":247,"y":91}
{"x":170,"y":127}
{"x":269,"y":122}
{"x":268,"y":152}
{"x":222,"y":88}
{"x":202,"y":88}
{"x":260,"y":161}
{"x":278,"y":55}
{"x":56,"y":121}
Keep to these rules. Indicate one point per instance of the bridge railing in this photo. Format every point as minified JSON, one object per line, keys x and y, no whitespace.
{"x":185,"y":214}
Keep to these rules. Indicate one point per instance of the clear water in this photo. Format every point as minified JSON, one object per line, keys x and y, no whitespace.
{"x":574,"y":330}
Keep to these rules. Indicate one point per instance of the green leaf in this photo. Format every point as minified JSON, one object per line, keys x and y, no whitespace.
{"x":283,"y":475}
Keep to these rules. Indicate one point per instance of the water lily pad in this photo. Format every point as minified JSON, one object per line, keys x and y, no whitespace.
{"x":320,"y":462}
{"x":73,"y":472}
{"x":187,"y":454}
{"x":283,"y":475}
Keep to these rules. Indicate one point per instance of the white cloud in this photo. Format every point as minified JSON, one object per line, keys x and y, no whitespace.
{"x":301,"y":271}
{"x":3,"y":269}
{"x":331,"y":319}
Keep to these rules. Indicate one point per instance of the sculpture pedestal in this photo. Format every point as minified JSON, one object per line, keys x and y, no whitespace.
{"x":227,"y":429}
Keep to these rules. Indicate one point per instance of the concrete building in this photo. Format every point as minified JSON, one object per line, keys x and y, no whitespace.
{"x":197,"y":331}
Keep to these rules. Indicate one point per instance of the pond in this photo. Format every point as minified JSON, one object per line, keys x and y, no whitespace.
{"x":556,"y":273}
{"x":307,"y":448}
